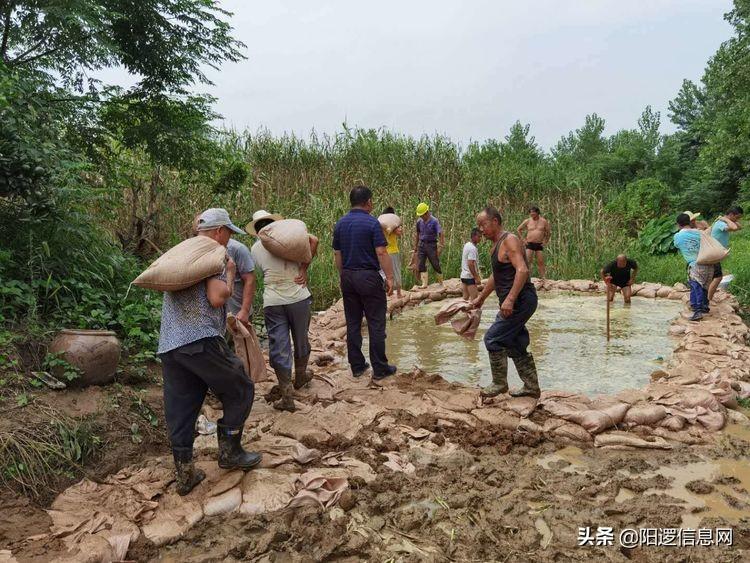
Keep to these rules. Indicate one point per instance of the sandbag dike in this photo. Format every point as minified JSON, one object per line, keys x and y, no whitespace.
{"x":347,"y":431}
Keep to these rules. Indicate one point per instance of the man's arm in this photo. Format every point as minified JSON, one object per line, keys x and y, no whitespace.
{"x":248,"y":291}
{"x":337,"y":259}
{"x":731,"y":225}
{"x":518,"y":259}
{"x":218,"y":290}
{"x":474,"y":271}
{"x":633,"y":274}
{"x":386,"y":265}
{"x":522,"y":227}
{"x":547,"y":231}
{"x":301,"y":279}
{"x":441,"y":241}
{"x":605,"y":275}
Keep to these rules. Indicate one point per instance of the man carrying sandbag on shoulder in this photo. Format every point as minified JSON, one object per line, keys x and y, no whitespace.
{"x":195,"y":357}
{"x":283,"y":255}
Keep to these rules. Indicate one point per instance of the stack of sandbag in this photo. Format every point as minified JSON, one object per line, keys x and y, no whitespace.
{"x":184,"y":265}
{"x":287,"y":239}
{"x":389,"y":222}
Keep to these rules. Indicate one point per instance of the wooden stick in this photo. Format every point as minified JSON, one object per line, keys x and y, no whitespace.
{"x":608,"y":306}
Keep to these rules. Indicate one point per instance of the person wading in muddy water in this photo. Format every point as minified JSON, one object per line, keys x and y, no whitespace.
{"x":287,"y":309}
{"x":538,"y":232}
{"x":620,"y":273}
{"x":195,"y":357}
{"x":429,"y":241}
{"x":360,"y":253}
{"x":508,"y":336}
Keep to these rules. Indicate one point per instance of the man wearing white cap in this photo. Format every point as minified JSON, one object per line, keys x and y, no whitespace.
{"x":287,"y":309}
{"x":195,"y":357}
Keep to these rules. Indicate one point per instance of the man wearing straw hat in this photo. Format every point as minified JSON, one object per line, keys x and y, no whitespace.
{"x":287,"y":309}
{"x":429,"y":241}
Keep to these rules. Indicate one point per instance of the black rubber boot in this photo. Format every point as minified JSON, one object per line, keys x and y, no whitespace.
{"x":526,"y":368}
{"x":187,"y":474}
{"x":286,"y":403}
{"x":231,"y":453}
{"x":302,"y":375}
{"x":499,"y":368}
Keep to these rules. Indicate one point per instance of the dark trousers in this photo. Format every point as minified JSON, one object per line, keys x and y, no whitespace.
{"x":510,"y":334}
{"x":188,"y":372}
{"x":428,"y":251}
{"x":698,"y":296}
{"x":280,"y":321}
{"x":364,"y":295}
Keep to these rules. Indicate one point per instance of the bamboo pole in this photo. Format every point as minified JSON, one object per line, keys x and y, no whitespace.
{"x":608,"y":307}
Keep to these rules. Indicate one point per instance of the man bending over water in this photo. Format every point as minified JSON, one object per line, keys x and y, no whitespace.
{"x":508,"y":336}
{"x":537,"y":235}
{"x":620,"y":273}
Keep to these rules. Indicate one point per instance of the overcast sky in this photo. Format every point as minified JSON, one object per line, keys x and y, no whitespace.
{"x":467,"y":69}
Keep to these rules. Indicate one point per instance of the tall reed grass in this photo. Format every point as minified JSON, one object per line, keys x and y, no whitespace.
{"x":310,"y":180}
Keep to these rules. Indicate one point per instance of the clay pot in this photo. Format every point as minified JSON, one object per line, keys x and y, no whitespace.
{"x":95,"y":353}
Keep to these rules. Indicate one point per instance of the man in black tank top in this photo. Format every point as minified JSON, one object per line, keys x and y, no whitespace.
{"x":508,"y":337}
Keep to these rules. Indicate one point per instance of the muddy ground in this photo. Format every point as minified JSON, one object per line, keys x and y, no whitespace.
{"x":471,"y":481}
{"x":504,"y":495}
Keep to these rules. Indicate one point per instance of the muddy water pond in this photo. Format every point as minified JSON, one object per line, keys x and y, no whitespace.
{"x":568,"y":340}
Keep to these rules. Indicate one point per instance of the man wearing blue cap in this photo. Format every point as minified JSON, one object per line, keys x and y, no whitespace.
{"x":195,"y":357}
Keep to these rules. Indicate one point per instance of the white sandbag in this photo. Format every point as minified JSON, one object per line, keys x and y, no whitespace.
{"x":390,"y":222}
{"x":184,"y":265}
{"x":711,"y":250}
{"x":287,"y":239}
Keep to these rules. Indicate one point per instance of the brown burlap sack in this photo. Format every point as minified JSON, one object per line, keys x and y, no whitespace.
{"x":711,"y":250}
{"x":287,"y":239}
{"x":184,"y":265}
{"x":247,"y":347}
{"x":390,"y":222}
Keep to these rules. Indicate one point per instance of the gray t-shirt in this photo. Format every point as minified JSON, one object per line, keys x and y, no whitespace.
{"x":187,"y":316}
{"x":245,"y":264}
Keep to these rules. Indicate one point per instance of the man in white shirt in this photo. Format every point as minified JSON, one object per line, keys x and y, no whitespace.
{"x":287,"y":309}
{"x":471,"y":279}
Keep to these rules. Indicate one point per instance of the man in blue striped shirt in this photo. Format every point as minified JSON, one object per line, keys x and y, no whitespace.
{"x":361,"y":252}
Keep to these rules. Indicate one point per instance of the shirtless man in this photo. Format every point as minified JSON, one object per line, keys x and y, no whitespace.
{"x":537,"y":235}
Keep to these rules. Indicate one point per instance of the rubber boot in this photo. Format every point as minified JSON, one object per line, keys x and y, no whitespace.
{"x":499,"y":368}
{"x":187,"y":474}
{"x":286,"y":403}
{"x":425,"y":280}
{"x":526,"y":368}
{"x":440,"y":279}
{"x":231,"y":453}
{"x":302,"y":375}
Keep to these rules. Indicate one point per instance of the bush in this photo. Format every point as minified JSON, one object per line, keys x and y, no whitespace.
{"x":657,"y":236}
{"x":639,"y":203}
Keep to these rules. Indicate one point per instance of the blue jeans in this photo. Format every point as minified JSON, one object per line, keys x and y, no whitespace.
{"x":698,"y":296}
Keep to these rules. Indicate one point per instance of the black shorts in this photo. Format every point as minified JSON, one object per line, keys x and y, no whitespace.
{"x":468,"y":281}
{"x":620,"y":283}
{"x":538,"y":246}
{"x":718,"y":273}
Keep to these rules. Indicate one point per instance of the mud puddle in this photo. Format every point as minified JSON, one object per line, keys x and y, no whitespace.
{"x":568,"y":339}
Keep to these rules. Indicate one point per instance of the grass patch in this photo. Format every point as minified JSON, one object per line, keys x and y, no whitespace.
{"x":46,"y":446}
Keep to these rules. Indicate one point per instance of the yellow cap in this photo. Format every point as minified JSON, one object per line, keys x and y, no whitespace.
{"x":422,"y":208}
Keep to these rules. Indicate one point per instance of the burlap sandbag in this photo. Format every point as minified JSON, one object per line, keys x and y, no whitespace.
{"x":287,"y":239}
{"x":247,"y":347}
{"x":390,"y":222}
{"x":184,"y":265}
{"x":711,"y":250}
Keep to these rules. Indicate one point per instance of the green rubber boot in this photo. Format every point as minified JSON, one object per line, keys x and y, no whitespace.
{"x":526,"y":368}
{"x":286,"y":403}
{"x":499,"y":368}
